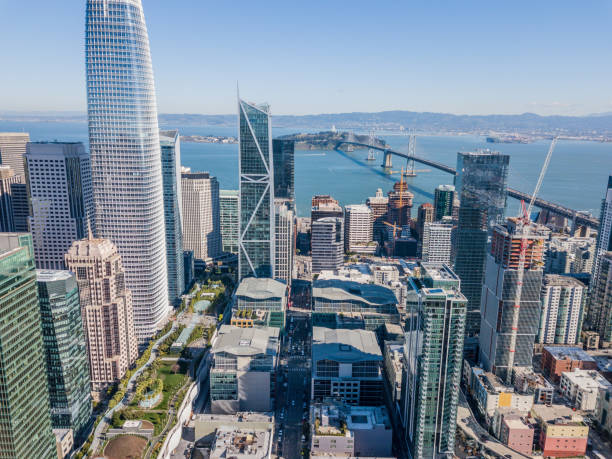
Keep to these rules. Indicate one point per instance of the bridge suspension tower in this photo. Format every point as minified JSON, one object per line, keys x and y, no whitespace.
{"x":410,"y":172}
{"x":371,"y":151}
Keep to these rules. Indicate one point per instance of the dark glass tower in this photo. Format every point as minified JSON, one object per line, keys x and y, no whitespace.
{"x":444,"y":197}
{"x":65,"y":349}
{"x":171,"y":173}
{"x":284,"y":153}
{"x":256,"y":239}
{"x":481,"y":184}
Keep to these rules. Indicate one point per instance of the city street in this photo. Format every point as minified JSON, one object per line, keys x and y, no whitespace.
{"x":293,"y":392}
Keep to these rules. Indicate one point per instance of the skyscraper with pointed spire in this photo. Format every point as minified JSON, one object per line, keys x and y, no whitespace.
{"x":125,"y":153}
{"x":256,"y":238}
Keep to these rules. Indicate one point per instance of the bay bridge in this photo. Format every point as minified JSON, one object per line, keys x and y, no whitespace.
{"x":578,"y":218}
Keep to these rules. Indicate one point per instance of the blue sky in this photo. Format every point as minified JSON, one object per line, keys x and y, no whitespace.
{"x":316,"y":56}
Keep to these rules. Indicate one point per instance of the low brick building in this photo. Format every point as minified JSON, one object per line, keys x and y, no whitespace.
{"x":557,"y":360}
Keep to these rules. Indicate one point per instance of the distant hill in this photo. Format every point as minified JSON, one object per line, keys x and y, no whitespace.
{"x":527,"y":123}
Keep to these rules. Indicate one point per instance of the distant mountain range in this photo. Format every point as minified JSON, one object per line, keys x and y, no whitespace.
{"x":591,"y":126}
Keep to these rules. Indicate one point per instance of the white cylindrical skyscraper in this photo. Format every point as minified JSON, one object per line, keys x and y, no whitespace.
{"x":125,"y":153}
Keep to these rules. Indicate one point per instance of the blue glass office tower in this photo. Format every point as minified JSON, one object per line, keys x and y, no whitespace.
{"x":481,"y":183}
{"x":125,"y":153}
{"x":256,"y":239}
{"x":171,"y":173}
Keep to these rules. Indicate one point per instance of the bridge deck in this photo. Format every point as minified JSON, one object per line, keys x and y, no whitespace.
{"x":541,"y":203}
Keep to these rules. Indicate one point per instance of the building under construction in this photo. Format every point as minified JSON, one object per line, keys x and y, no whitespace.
{"x":400,"y":204}
{"x":499,"y":295}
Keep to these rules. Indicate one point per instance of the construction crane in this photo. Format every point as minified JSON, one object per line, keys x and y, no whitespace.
{"x":522,"y":225}
{"x":394,"y":226}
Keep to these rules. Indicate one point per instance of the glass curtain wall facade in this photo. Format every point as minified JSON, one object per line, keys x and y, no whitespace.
{"x":433,"y":355}
{"x":125,"y":153}
{"x":444,"y":197}
{"x":604,"y":244}
{"x":256,"y":239}
{"x":65,"y":349}
{"x":284,"y":154}
{"x":171,"y":172}
{"x":481,"y":182}
{"x":24,"y":395}
{"x":230,"y":224}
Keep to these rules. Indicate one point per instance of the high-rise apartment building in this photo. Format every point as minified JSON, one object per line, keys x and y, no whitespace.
{"x":378,"y":204}
{"x":7,"y":180}
{"x":563,"y":300}
{"x":256,"y":163}
{"x":13,"y":149}
{"x":425,"y":215}
{"x":59,"y":188}
{"x":444,"y":199}
{"x":65,"y":350}
{"x":285,"y":240}
{"x":400,"y":204}
{"x":284,"y":158}
{"x":498,"y":298}
{"x":432,"y":372}
{"x":229,"y":201}
{"x":125,"y":153}
{"x":24,"y":393}
{"x":170,"y":143}
{"x":106,"y":309}
{"x":437,"y":242}
{"x":357,"y":228}
{"x":481,"y":184}
{"x":324,"y":206}
{"x":327,"y":244}
{"x":600,"y":306}
{"x":201,"y":222}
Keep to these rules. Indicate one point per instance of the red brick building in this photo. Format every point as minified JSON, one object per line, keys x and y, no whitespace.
{"x":556,"y":360}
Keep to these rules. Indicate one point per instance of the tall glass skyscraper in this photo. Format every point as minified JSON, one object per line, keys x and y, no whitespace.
{"x":433,"y":354}
{"x":24,"y":395}
{"x":256,"y":239}
{"x":125,"y":153}
{"x":65,"y":349}
{"x":284,"y":159}
{"x":171,"y":172}
{"x":481,"y":183}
